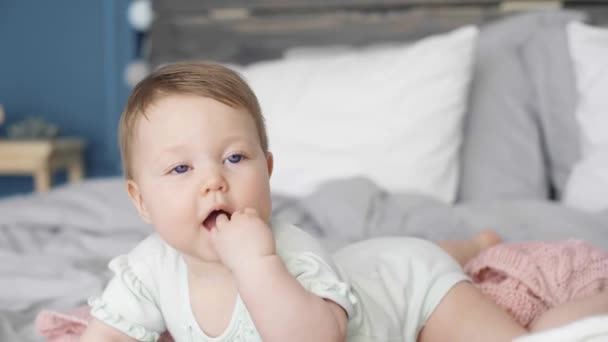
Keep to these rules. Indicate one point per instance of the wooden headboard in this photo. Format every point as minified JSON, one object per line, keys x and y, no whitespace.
{"x":242,"y":31}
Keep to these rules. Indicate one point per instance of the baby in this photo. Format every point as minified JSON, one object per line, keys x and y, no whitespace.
{"x":218,"y":268}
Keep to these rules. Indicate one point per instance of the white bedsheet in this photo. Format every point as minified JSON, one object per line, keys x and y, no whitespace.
{"x":592,"y":329}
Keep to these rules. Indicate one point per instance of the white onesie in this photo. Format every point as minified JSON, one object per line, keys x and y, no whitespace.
{"x":396,"y":284}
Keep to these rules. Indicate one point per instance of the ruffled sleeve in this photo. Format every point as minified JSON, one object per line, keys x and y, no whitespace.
{"x":318,"y":277}
{"x":128,"y":303}
{"x":307,"y":261}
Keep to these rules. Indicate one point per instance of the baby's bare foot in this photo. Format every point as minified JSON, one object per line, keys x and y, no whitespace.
{"x":487,"y":239}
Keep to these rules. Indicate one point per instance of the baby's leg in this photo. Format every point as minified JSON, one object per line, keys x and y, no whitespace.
{"x":466,"y":315}
{"x":572,"y":311}
{"x":465,"y":250}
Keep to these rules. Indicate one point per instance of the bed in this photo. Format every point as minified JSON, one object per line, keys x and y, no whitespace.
{"x":500,"y":149}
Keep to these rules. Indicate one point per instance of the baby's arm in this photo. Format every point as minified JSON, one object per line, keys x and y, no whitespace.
{"x":128,"y":306}
{"x":281,"y":308}
{"x":99,"y":331}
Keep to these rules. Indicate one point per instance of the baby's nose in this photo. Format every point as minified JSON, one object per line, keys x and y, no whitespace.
{"x":214,"y":183}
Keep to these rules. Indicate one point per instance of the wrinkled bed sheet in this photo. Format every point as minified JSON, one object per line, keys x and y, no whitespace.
{"x":54,"y":247}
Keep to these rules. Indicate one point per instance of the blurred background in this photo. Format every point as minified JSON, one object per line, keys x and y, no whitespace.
{"x":64,"y":62}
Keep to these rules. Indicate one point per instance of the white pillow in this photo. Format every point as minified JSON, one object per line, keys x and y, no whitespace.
{"x":587,"y":186}
{"x":392,"y":114}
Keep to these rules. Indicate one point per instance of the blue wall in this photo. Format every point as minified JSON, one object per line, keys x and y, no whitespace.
{"x":63,"y":60}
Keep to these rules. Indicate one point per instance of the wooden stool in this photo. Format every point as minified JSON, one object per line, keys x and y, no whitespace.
{"x":40,"y":158}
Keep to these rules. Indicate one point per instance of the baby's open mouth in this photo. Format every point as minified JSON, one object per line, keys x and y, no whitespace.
{"x":209,"y":222}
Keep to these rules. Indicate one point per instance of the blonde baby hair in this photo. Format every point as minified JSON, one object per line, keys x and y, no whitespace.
{"x":204,"y":79}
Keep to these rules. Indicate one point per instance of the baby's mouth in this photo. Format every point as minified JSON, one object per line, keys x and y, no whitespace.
{"x":210,"y":221}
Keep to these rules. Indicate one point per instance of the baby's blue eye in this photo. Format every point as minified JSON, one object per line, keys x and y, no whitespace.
{"x":235,"y":158}
{"x":181,"y":168}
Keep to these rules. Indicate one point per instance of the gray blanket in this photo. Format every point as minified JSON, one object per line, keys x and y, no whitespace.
{"x":349,"y":210}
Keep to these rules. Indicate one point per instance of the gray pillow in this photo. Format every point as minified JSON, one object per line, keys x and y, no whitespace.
{"x":504,"y":152}
{"x":548,"y":64}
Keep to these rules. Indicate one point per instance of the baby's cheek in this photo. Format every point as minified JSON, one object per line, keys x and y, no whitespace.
{"x":265,"y":207}
{"x":170,"y":211}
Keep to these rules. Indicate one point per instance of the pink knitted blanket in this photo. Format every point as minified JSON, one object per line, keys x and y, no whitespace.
{"x":526,"y":279}
{"x":529,"y":278}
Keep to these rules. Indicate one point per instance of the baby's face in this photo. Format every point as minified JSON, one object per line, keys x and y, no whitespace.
{"x":192,"y":157}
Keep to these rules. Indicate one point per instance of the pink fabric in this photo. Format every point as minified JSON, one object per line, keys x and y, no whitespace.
{"x":529,"y":278}
{"x":62,"y":327}
{"x":67,"y":327}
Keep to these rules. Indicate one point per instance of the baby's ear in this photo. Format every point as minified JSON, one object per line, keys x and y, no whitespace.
{"x":269,"y":163}
{"x":135,"y":195}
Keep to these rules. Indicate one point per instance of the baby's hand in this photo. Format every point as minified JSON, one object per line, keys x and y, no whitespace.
{"x":242,"y":238}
